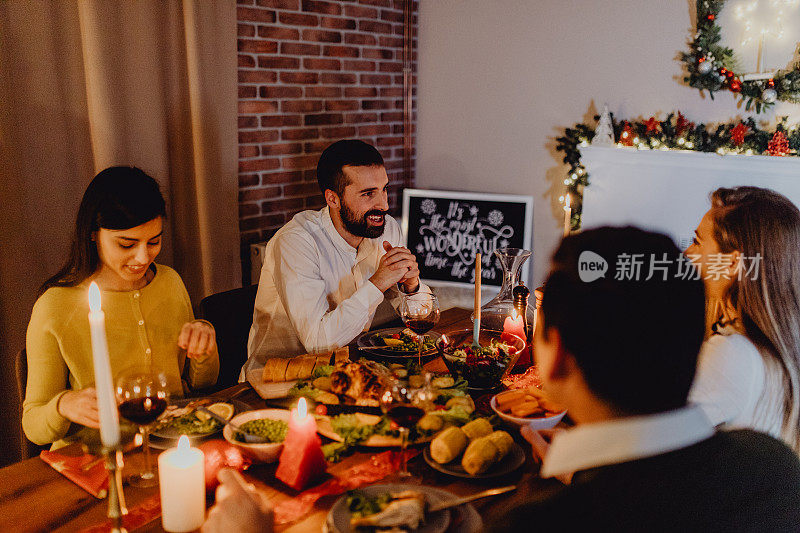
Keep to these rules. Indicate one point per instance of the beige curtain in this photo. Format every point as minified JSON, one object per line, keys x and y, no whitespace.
{"x":89,"y":84}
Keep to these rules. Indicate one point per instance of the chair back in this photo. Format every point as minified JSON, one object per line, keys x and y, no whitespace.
{"x":231,"y":313}
{"x":27,"y":449}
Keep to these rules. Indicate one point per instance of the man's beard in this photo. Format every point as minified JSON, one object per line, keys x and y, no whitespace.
{"x":360,"y":227}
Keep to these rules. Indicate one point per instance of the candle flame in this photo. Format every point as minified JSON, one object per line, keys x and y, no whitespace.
{"x":514,"y":314}
{"x":183,"y":443}
{"x":94,"y":297}
{"x":302,"y":409}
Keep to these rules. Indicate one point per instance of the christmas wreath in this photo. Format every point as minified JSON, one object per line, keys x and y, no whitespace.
{"x":712,"y":66}
{"x":675,"y":132}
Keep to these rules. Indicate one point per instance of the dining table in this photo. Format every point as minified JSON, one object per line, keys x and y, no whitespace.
{"x":35,"y":497}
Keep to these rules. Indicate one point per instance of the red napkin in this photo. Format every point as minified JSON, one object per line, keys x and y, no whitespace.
{"x":72,"y":463}
{"x":371,"y":470}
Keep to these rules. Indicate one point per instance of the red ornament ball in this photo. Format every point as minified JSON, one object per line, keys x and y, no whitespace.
{"x":711,"y":16}
{"x":736,"y":86}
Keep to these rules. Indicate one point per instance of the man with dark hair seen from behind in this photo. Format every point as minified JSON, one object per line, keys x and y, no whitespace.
{"x":620,"y":355}
{"x":325,"y":272}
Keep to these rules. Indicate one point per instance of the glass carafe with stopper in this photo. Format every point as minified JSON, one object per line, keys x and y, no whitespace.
{"x":495,"y":312}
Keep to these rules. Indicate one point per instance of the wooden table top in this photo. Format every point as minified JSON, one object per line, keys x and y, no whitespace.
{"x":34,"y":497}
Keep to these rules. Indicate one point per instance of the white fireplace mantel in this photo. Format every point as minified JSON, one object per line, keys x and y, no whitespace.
{"x":668,"y":191}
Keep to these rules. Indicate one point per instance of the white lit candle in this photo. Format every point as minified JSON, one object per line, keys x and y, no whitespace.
{"x":106,"y":404}
{"x":567,"y":215}
{"x":181,"y":477}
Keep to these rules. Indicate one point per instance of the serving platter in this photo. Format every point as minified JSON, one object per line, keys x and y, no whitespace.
{"x":508,"y":464}
{"x":325,"y":429}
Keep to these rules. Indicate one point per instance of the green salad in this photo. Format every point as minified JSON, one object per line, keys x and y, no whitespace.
{"x":404,"y":342}
{"x":189,"y":424}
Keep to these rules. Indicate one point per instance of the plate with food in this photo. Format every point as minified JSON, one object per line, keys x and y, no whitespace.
{"x":181,"y":417}
{"x":390,"y":507}
{"x":272,"y":424}
{"x":527,"y":406}
{"x":397,"y":343}
{"x":474,"y":451}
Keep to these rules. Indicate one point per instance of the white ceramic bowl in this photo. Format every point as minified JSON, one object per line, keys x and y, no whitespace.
{"x":267,"y":452}
{"x":535,"y":423}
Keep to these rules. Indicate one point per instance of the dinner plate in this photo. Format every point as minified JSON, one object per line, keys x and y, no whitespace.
{"x":509,"y":463}
{"x":369,"y":343}
{"x":338,"y":520}
{"x":168,"y":437}
{"x":325,"y":429}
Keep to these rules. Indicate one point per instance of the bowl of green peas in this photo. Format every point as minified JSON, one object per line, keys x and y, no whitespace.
{"x":271,"y":424}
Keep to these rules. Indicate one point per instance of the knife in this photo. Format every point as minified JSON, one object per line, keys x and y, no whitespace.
{"x":466,"y":499}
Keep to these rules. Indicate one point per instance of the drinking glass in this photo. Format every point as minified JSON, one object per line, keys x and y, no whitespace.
{"x":141,"y":398}
{"x":402,"y":405}
{"x":420,"y":313}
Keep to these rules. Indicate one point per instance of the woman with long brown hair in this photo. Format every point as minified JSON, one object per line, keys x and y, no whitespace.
{"x":747,"y":248}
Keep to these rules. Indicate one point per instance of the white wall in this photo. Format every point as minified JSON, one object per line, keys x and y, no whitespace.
{"x":499,"y":80}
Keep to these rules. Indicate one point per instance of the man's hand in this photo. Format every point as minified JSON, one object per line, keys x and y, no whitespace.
{"x":398,"y":265}
{"x":239,"y":507}
{"x":80,"y":407}
{"x":540,"y":443}
{"x":198,"y":338}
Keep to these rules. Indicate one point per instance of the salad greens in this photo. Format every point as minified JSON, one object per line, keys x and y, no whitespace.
{"x":362,"y":505}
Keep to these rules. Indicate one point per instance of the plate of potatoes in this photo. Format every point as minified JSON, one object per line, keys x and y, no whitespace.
{"x":527,"y":406}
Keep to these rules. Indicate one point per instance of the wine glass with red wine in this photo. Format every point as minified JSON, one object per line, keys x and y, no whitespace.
{"x":141,"y":398}
{"x":420,"y":314}
{"x":400,"y":405}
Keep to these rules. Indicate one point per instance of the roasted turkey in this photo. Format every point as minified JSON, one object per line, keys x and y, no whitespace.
{"x":361,"y":381}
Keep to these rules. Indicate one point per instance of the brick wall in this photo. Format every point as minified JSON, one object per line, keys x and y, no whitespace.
{"x":310,"y":73}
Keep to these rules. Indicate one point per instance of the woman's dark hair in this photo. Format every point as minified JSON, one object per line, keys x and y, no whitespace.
{"x":117,"y":198}
{"x":634,"y":332}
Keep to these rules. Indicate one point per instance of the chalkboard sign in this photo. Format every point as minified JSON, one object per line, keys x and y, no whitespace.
{"x":446,"y":229}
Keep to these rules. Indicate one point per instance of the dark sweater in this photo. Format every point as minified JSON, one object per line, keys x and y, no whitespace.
{"x":733,"y":481}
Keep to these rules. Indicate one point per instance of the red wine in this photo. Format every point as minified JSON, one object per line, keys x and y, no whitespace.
{"x":142,"y":411}
{"x":420,"y":326}
{"x":405,"y":415}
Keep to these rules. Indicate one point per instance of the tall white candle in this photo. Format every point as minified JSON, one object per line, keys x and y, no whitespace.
{"x":181,"y":477}
{"x":106,"y":404}
{"x":567,"y":215}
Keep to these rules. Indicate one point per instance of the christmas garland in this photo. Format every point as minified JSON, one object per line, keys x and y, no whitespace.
{"x":673,"y":133}
{"x":713,"y":67}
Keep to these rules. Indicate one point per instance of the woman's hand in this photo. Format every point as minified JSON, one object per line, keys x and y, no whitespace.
{"x":80,"y":407}
{"x":239,"y":507}
{"x":198,"y":338}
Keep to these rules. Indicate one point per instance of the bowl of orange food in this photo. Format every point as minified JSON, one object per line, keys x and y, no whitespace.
{"x":527,"y":406}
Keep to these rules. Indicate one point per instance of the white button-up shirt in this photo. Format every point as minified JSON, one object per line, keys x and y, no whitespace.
{"x":626,"y":439}
{"x":314,"y":292}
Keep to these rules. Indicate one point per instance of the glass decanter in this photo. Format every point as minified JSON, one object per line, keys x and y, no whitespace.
{"x":495,"y":312}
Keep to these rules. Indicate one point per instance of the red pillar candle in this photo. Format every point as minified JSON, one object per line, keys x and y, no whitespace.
{"x":302,"y":459}
{"x":514,"y":326}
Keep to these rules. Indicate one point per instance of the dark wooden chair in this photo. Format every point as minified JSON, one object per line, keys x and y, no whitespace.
{"x":27,"y":449}
{"x":231,"y":313}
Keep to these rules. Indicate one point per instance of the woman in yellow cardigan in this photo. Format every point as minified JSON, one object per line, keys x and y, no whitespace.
{"x":149,"y":319}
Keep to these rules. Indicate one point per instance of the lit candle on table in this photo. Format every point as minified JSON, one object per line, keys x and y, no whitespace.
{"x":106,"y":403}
{"x":513,"y":325}
{"x":567,"y":215}
{"x":302,"y":460}
{"x":181,"y":477}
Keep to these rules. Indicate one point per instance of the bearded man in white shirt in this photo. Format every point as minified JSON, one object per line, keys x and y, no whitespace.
{"x":325,"y":272}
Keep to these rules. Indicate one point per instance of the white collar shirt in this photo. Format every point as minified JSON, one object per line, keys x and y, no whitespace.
{"x":626,"y":439}
{"x":314,"y":292}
